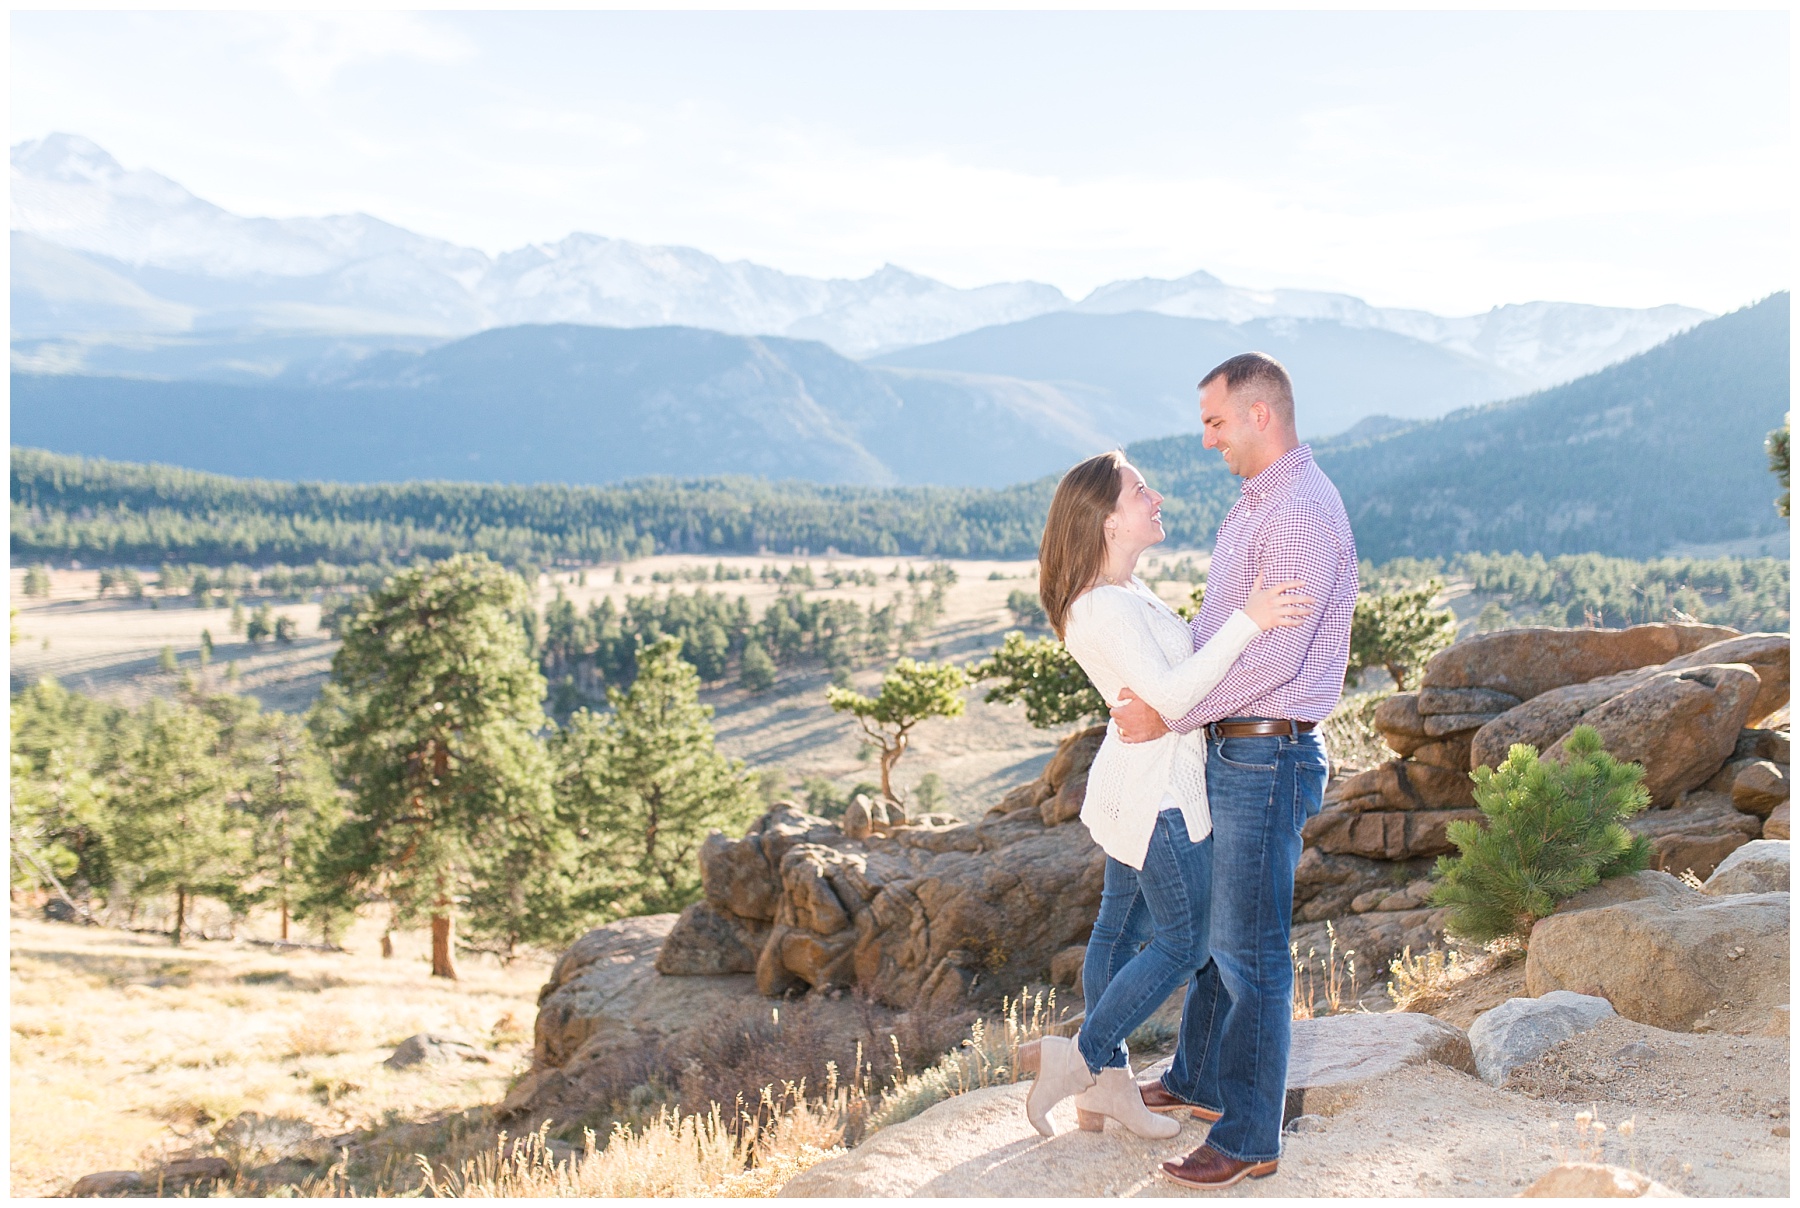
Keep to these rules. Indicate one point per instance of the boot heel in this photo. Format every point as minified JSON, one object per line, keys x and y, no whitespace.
{"x":1090,"y":1121}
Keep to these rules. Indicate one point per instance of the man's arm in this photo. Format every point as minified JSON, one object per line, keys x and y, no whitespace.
{"x":1300,"y":542}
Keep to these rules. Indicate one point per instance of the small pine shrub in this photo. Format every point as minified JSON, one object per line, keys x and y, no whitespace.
{"x":1552,"y":831}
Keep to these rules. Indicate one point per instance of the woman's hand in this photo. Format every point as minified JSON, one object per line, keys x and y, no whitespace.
{"x":1281,"y":605}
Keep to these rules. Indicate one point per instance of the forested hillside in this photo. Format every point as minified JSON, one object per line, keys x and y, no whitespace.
{"x":70,"y":507}
{"x":1662,"y":449}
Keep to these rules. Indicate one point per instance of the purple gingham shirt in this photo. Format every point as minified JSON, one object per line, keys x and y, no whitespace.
{"x":1289,"y":524}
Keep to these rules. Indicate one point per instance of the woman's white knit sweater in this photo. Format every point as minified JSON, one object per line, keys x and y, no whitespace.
{"x":1125,"y":636}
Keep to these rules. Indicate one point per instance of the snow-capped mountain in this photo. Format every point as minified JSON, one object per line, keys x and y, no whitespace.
{"x":1543,"y":342}
{"x":100,"y":251}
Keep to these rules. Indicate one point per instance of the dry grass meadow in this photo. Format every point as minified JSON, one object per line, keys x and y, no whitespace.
{"x":127,"y":1051}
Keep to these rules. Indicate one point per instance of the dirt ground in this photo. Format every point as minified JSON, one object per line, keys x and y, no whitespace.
{"x":1703,"y":1114}
{"x":127,"y":1050}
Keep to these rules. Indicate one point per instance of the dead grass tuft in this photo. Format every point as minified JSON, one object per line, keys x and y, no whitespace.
{"x":1324,"y":985}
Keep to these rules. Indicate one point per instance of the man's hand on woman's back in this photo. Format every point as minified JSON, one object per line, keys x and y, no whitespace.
{"x":1137,"y":721}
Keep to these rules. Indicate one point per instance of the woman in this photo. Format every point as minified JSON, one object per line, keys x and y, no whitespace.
{"x":1146,"y":802}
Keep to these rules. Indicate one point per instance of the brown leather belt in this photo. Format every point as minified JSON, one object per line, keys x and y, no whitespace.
{"x":1259,"y":729}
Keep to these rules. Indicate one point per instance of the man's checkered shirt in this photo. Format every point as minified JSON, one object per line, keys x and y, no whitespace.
{"x":1289,"y":523}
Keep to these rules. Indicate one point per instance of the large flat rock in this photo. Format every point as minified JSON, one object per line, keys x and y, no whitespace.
{"x":980,"y":1144}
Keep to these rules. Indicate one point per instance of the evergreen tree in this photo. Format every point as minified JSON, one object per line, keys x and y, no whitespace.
{"x":928,"y":794}
{"x":64,"y":754}
{"x":910,"y":693}
{"x":756,"y":672}
{"x":1398,"y":631}
{"x":647,"y":784}
{"x":1552,"y":830}
{"x":37,"y":581}
{"x":1778,"y":464}
{"x":262,"y":624}
{"x":294,"y":807}
{"x":1045,"y":676}
{"x":172,"y":828}
{"x":432,"y":719}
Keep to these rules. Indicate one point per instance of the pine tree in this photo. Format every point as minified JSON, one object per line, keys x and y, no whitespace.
{"x":172,"y":828}
{"x":37,"y":580}
{"x":1552,"y":830}
{"x":647,"y":784}
{"x":64,"y":751}
{"x":294,"y":808}
{"x":1398,"y":631}
{"x":1777,"y":445}
{"x":757,"y":670}
{"x":431,"y":719}
{"x":910,"y":693}
{"x":1045,"y":676}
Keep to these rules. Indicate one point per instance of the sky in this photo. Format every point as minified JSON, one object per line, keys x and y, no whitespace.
{"x":1447,"y":161}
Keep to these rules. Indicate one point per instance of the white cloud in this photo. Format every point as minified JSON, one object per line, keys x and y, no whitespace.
{"x":310,"y":49}
{"x":1409,"y":159}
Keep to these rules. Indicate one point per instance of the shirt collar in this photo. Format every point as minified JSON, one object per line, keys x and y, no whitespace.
{"x":1279,"y":473}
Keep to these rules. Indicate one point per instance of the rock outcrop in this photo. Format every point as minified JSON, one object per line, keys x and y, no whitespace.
{"x":1682,"y":714}
{"x":1696,"y":834}
{"x":1523,"y":663}
{"x":1667,"y":955}
{"x":934,"y":912}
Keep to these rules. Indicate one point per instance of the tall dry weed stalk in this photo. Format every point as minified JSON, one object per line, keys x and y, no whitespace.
{"x":1334,"y":977}
{"x":989,"y":1057}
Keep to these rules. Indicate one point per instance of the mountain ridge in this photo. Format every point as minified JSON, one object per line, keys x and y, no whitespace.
{"x":1614,"y":463}
{"x":202,"y":268}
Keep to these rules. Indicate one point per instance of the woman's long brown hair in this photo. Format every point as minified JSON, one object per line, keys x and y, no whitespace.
{"x":1073,"y":550}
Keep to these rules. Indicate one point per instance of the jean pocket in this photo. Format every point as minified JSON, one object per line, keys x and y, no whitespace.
{"x":1251,"y":754}
{"x":1309,"y":784}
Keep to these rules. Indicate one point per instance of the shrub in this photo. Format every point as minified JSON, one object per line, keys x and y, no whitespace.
{"x":1398,"y":631}
{"x":1552,"y":831}
{"x":1045,"y":676}
{"x":1026,"y":609}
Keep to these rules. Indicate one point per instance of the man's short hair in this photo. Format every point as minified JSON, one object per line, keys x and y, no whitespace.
{"x":1260,"y":372}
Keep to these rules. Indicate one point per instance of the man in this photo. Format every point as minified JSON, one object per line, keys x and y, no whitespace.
{"x":1265,"y":768}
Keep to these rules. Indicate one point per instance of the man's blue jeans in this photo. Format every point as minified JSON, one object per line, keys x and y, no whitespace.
{"x":1165,"y":902}
{"x":1235,"y":1024}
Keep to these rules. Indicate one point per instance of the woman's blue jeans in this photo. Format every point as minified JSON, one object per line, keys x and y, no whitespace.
{"x":1123,"y":979}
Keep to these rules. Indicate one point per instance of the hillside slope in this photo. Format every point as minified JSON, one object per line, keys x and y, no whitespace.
{"x":1663,"y":449}
{"x":566,"y":403}
{"x":1139,"y":369}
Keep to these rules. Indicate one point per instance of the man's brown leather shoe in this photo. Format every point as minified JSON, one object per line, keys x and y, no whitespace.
{"x":1209,"y":1170}
{"x":1158,"y":1099}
